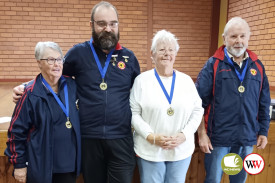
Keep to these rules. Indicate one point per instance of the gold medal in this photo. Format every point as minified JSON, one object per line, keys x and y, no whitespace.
{"x":68,"y":124}
{"x":170,"y":111}
{"x":241,"y":89}
{"x":103,"y":86}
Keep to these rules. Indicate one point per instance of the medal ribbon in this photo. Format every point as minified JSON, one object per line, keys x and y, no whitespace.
{"x":169,"y":98}
{"x":102,"y":71}
{"x":65,"y":109}
{"x":240,"y":76}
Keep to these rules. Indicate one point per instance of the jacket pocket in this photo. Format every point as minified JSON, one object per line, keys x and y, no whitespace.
{"x":253,"y":85}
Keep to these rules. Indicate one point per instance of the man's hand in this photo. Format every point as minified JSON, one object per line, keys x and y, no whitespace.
{"x":17,"y":93}
{"x":205,"y":143}
{"x":261,"y":141}
{"x":20,"y":174}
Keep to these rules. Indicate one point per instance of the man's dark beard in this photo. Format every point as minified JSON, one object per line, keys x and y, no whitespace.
{"x":105,"y":40}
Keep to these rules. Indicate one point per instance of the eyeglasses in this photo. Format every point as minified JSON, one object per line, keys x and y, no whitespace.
{"x":169,"y":51}
{"x":51,"y":60}
{"x":103,"y":24}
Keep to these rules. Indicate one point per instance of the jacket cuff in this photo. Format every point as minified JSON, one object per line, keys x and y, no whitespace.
{"x":19,"y":165}
{"x":263,"y":133}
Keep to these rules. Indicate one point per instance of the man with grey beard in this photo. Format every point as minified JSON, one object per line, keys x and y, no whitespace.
{"x":235,"y":93}
{"x":104,"y":72}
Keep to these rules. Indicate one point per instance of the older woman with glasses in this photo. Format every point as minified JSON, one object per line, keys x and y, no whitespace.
{"x":44,"y":134}
{"x":166,"y":112}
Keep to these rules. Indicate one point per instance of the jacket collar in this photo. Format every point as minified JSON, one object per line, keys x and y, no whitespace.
{"x":37,"y":88}
{"x":219,"y":54}
{"x":118,"y":46}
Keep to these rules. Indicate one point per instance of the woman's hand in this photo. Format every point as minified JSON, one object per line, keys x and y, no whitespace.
{"x":157,"y":139}
{"x":175,"y":141}
{"x":20,"y":174}
{"x":166,"y":142}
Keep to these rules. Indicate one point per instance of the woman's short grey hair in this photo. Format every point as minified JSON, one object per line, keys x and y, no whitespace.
{"x":41,"y":46}
{"x":234,"y":21}
{"x":164,"y":36}
{"x":102,"y":3}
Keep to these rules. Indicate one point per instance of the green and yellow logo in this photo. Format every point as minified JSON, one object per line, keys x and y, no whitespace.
{"x":232,"y":164}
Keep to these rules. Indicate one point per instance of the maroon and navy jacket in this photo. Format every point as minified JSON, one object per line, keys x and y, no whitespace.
{"x":234,"y":118}
{"x":30,"y":135}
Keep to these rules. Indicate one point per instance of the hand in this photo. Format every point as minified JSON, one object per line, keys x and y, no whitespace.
{"x":261,"y":141}
{"x":174,"y":141}
{"x":20,"y":174}
{"x":205,"y":143}
{"x":17,"y":93}
{"x":157,"y":139}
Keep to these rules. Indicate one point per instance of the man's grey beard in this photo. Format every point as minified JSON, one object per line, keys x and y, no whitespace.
{"x":234,"y":52}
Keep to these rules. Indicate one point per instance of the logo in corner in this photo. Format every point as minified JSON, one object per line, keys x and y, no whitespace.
{"x":253,"y":72}
{"x":253,"y":164}
{"x":232,"y":164}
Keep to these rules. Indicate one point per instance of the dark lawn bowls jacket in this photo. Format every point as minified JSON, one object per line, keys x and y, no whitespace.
{"x":30,"y":136}
{"x":234,"y":118}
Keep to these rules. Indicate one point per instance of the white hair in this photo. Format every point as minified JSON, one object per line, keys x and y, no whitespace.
{"x":234,"y":21}
{"x":41,"y":46}
{"x":164,"y":36}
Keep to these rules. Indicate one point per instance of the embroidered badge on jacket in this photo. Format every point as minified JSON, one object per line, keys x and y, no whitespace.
{"x":253,"y":72}
{"x":121,"y":65}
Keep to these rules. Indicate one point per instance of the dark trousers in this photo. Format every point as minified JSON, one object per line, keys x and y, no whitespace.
{"x":64,"y":178}
{"x":108,"y":160}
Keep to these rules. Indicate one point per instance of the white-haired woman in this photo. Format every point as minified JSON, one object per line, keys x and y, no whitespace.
{"x":44,"y":134}
{"x":166,"y":112}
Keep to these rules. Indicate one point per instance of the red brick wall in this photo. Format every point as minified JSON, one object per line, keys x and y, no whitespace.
{"x":25,"y":22}
{"x":190,"y":21}
{"x":260,"y":15}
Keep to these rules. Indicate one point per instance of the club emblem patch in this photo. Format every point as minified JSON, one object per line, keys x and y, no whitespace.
{"x":253,"y":72}
{"x":121,"y":65}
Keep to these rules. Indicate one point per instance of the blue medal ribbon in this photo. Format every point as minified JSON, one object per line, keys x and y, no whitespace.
{"x":65,"y":109}
{"x":240,"y":76}
{"x":104,"y":70}
{"x":169,"y":98}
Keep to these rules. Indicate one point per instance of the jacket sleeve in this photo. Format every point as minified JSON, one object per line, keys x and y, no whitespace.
{"x":264,"y":104}
{"x":71,"y":58}
{"x":204,"y":83}
{"x":140,"y":126}
{"x":18,"y":132}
